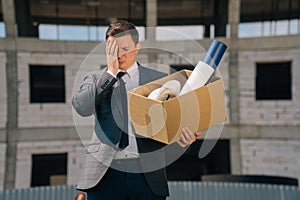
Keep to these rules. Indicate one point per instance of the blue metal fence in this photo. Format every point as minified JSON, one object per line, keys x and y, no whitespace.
{"x":178,"y":191}
{"x":231,"y":191}
{"x":40,"y":193}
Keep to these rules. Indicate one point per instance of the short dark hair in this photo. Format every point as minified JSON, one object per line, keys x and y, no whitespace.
{"x":120,"y":28}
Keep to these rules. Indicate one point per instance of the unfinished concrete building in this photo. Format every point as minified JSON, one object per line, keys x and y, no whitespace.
{"x":44,"y":43}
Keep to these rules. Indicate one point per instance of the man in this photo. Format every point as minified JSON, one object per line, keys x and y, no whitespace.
{"x":115,"y":167}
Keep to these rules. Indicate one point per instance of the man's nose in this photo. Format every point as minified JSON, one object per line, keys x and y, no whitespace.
{"x":121,"y":54}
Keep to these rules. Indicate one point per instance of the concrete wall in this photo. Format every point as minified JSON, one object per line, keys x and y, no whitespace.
{"x":76,"y":65}
{"x":271,"y":157}
{"x":268,"y":112}
{"x":45,"y":114}
{"x":25,"y":151}
{"x":49,"y":128}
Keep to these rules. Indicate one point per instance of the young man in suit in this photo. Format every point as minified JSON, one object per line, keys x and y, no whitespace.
{"x":117,"y":163}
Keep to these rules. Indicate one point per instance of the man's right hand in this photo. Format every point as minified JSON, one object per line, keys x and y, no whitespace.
{"x":112,"y":55}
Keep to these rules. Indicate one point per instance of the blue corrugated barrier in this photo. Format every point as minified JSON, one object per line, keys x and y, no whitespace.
{"x":63,"y":192}
{"x":231,"y":191}
{"x":178,"y":190}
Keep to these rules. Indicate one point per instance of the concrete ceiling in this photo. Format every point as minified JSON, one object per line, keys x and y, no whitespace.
{"x":169,"y":11}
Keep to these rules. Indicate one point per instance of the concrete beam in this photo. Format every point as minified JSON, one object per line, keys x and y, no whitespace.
{"x":8,"y":10}
{"x":82,"y":47}
{"x":49,"y":46}
{"x":261,"y":132}
{"x":48,"y":134}
{"x":229,"y":132}
{"x":269,"y":43}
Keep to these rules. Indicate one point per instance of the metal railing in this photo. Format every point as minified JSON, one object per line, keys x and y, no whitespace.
{"x":178,"y":191}
{"x":231,"y":191}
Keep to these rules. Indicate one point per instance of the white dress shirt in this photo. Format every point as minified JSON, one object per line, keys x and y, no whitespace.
{"x":131,"y":80}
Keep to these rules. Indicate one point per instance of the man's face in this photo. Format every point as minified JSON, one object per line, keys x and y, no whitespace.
{"x":127,"y":51}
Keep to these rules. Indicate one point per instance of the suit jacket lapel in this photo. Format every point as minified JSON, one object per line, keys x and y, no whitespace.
{"x":144,"y":77}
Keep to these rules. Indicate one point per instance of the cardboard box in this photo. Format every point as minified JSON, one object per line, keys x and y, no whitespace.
{"x":163,"y":120}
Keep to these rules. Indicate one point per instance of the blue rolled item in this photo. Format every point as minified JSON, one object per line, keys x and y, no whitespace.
{"x":214,"y":53}
{"x":205,"y":69}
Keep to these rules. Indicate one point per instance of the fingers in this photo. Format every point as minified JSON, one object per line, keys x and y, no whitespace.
{"x":112,"y":55}
{"x":181,"y":143}
{"x":187,"y":137}
{"x":112,"y":47}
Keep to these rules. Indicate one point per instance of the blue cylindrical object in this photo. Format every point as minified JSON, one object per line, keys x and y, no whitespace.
{"x":204,"y":70}
{"x":214,"y":53}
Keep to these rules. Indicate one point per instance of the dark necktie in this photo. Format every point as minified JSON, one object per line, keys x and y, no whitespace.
{"x":124,"y":137}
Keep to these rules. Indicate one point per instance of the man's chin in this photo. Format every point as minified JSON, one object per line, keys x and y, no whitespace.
{"x":123,"y":66}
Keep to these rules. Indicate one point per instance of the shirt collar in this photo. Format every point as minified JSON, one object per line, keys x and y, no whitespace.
{"x":132,"y":70}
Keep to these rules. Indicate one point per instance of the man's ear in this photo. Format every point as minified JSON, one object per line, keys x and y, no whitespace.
{"x":138,"y":46}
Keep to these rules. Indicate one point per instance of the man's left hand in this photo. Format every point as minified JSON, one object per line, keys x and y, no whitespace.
{"x":187,"y":137}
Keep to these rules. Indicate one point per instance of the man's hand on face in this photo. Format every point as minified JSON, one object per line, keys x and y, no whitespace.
{"x":112,"y":55}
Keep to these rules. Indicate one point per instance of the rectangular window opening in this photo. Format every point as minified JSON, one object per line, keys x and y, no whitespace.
{"x":273,"y":81}
{"x":47,"y":84}
{"x":49,"y":169}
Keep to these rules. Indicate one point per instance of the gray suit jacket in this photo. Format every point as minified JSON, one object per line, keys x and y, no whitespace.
{"x":100,"y":151}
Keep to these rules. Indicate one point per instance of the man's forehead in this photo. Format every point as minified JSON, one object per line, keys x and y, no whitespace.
{"x":124,"y":40}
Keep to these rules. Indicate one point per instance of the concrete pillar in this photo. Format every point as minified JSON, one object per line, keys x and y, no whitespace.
{"x":151,"y":18}
{"x":8,"y":10}
{"x":12,"y":119}
{"x":151,"y":23}
{"x":233,"y":19}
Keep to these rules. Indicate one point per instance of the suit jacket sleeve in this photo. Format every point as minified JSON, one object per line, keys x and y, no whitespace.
{"x":92,"y":91}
